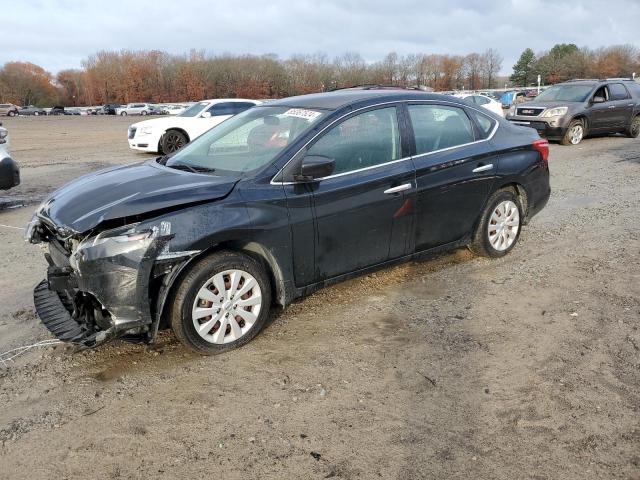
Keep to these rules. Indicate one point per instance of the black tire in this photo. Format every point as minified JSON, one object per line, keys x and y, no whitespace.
{"x":172,"y":141}
{"x":190,"y":284}
{"x":480,"y":243}
{"x":123,"y":114}
{"x":143,"y":113}
{"x":567,"y":139}
{"x":11,"y":113}
{"x":634,"y":127}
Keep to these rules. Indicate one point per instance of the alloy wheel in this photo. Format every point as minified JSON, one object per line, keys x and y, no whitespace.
{"x":227,"y":306}
{"x":504,"y":224}
{"x":635,"y":127}
{"x":173,"y":142}
{"x":575,"y":134}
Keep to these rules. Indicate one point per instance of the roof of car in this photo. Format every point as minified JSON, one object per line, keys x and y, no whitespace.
{"x":340,"y":98}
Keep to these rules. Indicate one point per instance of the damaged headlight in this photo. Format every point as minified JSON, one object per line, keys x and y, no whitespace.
{"x":125,"y":234}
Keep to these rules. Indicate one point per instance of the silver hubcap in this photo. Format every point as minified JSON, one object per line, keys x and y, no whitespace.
{"x":227,"y":306}
{"x":504,"y":225}
{"x":575,"y":134}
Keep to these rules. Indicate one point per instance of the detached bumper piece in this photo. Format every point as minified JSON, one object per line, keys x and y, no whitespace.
{"x":55,"y":316}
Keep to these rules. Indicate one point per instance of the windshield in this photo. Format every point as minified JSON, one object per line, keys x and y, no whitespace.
{"x":565,"y":93}
{"x":194,"y":109}
{"x":247,"y":141}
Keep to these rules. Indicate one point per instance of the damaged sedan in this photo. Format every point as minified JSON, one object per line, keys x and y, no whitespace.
{"x":275,"y":203}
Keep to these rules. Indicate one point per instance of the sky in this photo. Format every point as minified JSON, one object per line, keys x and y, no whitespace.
{"x":59,"y":34}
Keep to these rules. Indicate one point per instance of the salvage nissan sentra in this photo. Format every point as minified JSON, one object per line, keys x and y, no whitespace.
{"x":275,"y":203}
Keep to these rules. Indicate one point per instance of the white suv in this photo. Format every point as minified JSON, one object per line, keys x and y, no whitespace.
{"x":169,"y":134}
{"x":134,"y":109}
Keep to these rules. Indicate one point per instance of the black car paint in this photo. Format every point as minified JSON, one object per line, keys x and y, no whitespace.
{"x":306,"y":234}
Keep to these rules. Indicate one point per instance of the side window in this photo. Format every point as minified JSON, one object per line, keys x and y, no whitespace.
{"x":239,"y":107}
{"x":602,"y":92}
{"x":220,"y":109}
{"x":485,"y":123}
{"x":437,"y":126}
{"x":618,"y":92}
{"x":361,"y":141}
{"x":480,"y":100}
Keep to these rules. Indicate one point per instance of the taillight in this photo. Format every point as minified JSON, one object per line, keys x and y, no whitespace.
{"x":542,"y":146}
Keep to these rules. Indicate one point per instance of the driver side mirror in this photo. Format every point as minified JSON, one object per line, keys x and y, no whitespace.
{"x":598,"y":99}
{"x":314,"y":167}
{"x":206,"y":115}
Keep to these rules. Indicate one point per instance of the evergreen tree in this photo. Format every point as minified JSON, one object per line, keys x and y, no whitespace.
{"x":523,"y":70}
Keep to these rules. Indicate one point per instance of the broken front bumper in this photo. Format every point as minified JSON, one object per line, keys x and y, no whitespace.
{"x":103,"y":289}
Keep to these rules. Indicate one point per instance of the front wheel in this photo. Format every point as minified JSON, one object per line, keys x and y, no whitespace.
{"x":172,"y":141}
{"x":11,"y":113}
{"x":574,"y":133}
{"x":634,"y":129}
{"x":499,"y":227}
{"x":123,"y":114}
{"x":221,"y":303}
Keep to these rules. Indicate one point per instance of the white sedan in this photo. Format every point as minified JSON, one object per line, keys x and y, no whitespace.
{"x":484,"y":101}
{"x":169,"y":134}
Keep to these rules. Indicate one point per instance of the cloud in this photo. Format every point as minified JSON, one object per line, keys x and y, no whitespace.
{"x":59,"y":34}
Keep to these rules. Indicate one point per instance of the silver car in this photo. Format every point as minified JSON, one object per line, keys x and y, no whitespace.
{"x":134,"y":109}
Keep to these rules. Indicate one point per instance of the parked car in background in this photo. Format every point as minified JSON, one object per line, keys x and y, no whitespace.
{"x":57,"y":110}
{"x":483,"y":101}
{"x":275,"y":203}
{"x":174,"y":109}
{"x":9,"y":170}
{"x":110,"y":108}
{"x":157,"y":110}
{"x":169,"y":134}
{"x":31,"y":110}
{"x":512,"y":98}
{"x":571,"y":110}
{"x":134,"y":109}
{"x":8,"y":109}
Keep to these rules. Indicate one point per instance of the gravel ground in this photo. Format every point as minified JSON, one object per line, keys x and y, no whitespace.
{"x":458,"y":367}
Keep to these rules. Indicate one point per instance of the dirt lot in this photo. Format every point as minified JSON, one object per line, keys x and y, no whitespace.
{"x":527,"y":367}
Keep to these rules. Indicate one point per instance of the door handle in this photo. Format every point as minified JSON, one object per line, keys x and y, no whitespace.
{"x":398,"y":189}
{"x":483,"y":168}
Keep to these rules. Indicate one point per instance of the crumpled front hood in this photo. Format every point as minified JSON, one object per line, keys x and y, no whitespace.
{"x":130,"y":190}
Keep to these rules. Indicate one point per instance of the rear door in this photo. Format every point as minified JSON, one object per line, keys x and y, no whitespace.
{"x":363,"y":211}
{"x":624,"y":105}
{"x":455,"y":168}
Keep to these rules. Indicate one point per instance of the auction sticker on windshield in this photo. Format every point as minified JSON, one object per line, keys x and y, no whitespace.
{"x":302,"y":113}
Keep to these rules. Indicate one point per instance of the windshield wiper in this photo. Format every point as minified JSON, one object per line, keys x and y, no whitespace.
{"x":191,"y":168}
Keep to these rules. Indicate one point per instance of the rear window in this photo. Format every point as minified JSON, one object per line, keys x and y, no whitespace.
{"x":484,"y":122}
{"x":437,"y":127}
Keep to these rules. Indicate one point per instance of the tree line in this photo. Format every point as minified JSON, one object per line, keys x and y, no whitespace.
{"x":566,"y":61}
{"x":155,"y":76}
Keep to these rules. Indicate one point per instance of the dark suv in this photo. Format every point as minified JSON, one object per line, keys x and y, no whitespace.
{"x":275,"y":203}
{"x":571,"y":110}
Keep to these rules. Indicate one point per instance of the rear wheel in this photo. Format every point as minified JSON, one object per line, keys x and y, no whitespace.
{"x":11,"y":113}
{"x":221,"y":303}
{"x":144,"y":112}
{"x":574,"y":134}
{"x":123,"y":114}
{"x":634,"y":129}
{"x":499,"y":227}
{"x":172,"y":141}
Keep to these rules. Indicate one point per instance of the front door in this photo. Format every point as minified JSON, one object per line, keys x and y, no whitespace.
{"x":455,"y":168}
{"x":603,"y":115}
{"x":363,"y":213}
